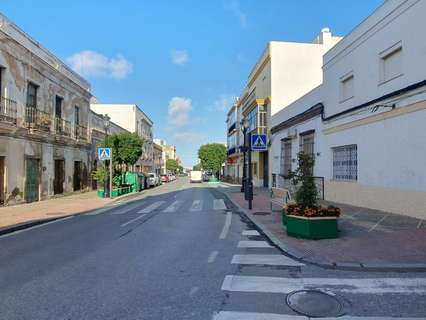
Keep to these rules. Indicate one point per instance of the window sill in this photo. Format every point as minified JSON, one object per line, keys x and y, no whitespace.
{"x":381,"y":82}
{"x":343,"y":180}
{"x":346,"y":99}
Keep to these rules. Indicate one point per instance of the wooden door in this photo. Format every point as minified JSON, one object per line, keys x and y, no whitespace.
{"x":58,"y":182}
{"x":32,"y":180}
{"x":2,"y":181}
{"x":77,"y":175}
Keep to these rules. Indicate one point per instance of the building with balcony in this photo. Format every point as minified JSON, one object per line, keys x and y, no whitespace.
{"x":159,"y":159}
{"x":133,"y":119}
{"x":284,"y":72}
{"x":365,"y":123}
{"x":44,"y":108}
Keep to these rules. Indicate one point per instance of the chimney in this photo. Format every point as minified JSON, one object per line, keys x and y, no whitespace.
{"x":324,"y":37}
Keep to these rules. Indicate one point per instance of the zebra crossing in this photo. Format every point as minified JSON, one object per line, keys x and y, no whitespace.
{"x":265,"y":284}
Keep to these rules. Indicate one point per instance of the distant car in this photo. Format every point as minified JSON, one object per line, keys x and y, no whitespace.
{"x":153,"y":180}
{"x":196,"y":176}
{"x":164,"y":178}
{"x":171,"y":177}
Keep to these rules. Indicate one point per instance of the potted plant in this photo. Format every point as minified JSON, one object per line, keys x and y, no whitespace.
{"x":306,"y":218}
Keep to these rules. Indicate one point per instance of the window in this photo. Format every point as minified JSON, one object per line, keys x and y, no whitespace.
{"x":345,"y":163}
{"x":346,"y":87}
{"x":285,"y":157}
{"x":391,"y":63}
{"x":58,"y":107}
{"x":76,"y":115}
{"x":307,"y":142}
{"x":32,"y":95}
{"x":1,"y":86}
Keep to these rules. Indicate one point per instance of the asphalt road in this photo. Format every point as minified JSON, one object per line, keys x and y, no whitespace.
{"x":168,"y":256}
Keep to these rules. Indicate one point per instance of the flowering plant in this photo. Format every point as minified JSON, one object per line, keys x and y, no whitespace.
{"x":310,"y":212}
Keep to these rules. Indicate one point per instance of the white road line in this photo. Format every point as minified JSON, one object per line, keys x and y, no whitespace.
{"x":151,"y":207}
{"x":174,"y":206}
{"x":193,"y":291}
{"x":231,"y":315}
{"x":253,"y":244}
{"x":265,"y":259}
{"x":250,"y":233}
{"x":286,"y":285}
{"x":378,"y":222}
{"x":212,"y":256}
{"x":197,"y":205}
{"x":133,"y":220}
{"x":219,"y":204}
{"x":35,"y":227}
{"x":226,"y":226}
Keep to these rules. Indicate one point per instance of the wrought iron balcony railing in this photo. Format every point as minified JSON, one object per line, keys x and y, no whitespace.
{"x":7,"y":110}
{"x":37,"y":119}
{"x":62,"y":127}
{"x":80,"y":132}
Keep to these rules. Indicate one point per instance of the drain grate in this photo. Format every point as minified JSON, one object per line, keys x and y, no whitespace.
{"x":315,"y":303}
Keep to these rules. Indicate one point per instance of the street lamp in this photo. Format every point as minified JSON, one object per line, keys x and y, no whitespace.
{"x":106,"y":182}
{"x":244,"y":127}
{"x":248,"y":184}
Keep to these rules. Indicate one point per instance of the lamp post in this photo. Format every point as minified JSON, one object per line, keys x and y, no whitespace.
{"x":248,"y":184}
{"x":106,"y":182}
{"x":244,"y":128}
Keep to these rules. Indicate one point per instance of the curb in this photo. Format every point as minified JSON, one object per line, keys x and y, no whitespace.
{"x":297,"y":255}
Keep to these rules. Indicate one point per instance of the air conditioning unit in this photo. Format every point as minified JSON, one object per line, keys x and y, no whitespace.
{"x":292,"y":133}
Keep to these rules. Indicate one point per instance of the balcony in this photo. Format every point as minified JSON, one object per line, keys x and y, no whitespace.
{"x":7,"y":110}
{"x":232,"y":127}
{"x":80,"y":132}
{"x":37,"y":119}
{"x":62,"y":127}
{"x":231,"y":151}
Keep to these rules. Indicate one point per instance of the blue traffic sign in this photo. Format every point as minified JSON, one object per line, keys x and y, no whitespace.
{"x":104,"y":154}
{"x":259,"y":142}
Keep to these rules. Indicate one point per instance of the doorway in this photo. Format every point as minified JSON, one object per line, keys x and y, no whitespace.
{"x":77,"y":175}
{"x":2,"y":195}
{"x":58,"y":182}
{"x":32,"y":180}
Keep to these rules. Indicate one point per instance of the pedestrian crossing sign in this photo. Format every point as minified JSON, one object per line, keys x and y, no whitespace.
{"x":104,"y":154}
{"x":259,"y":142}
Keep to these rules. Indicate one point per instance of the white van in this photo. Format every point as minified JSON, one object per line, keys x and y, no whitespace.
{"x":196,"y":176}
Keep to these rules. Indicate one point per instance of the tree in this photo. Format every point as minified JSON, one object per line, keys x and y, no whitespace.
{"x":126,"y":147}
{"x":307,"y":194}
{"x":172,"y":165}
{"x":197,"y":167}
{"x":212,"y":156}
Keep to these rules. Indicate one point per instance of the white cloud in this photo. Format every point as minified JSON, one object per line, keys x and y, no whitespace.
{"x":188,"y":137}
{"x":178,"y":113}
{"x":179,"y":57}
{"x":234,"y":7}
{"x":222,"y":104}
{"x":93,"y":64}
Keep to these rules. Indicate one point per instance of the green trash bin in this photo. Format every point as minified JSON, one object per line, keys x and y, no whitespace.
{"x":132,"y":179}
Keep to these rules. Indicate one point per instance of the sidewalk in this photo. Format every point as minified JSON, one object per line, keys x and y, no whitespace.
{"x":50,"y":209}
{"x":369,"y":239}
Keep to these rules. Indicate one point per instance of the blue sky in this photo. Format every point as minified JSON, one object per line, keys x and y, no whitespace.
{"x":183,"y":61}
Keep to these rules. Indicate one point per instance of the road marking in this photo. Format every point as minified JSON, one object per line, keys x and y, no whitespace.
{"x":226,"y":226}
{"x":232,"y":315}
{"x":212,"y":256}
{"x":193,"y":291}
{"x":133,"y":220}
{"x":378,"y":222}
{"x":197,"y":205}
{"x":98,"y":211}
{"x":219,"y":204}
{"x":250,"y":233}
{"x":174,"y":206}
{"x":286,"y":285}
{"x":253,"y":244}
{"x":420,"y":223}
{"x":35,"y":227}
{"x":151,"y":207}
{"x":265,"y":259}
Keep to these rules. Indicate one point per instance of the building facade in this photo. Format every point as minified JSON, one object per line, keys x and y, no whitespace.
{"x":284,"y":72}
{"x":133,"y":119}
{"x":169,"y":152}
{"x":365,"y":123}
{"x":44,"y":108}
{"x":159,"y":159}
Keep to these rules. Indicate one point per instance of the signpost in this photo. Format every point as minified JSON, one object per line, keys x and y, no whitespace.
{"x":105,"y":154}
{"x":259,"y":142}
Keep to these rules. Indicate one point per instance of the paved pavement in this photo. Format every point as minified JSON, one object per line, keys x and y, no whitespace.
{"x":182,"y":252}
{"x":368,"y":239}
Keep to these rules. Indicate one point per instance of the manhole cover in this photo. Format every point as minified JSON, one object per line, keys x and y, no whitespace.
{"x":314,"y":303}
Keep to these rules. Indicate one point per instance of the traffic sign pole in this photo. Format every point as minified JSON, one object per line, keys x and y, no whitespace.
{"x":110,"y":176}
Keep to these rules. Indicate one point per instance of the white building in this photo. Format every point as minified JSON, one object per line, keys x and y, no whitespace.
{"x":133,"y":119}
{"x":365,"y":123}
{"x":284,"y":72}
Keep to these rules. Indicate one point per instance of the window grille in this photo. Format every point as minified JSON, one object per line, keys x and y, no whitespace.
{"x":345,"y":163}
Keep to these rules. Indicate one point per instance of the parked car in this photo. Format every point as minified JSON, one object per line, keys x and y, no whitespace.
{"x":164,"y":178}
{"x":171,"y":177}
{"x":196,"y":176}
{"x":153,"y":180}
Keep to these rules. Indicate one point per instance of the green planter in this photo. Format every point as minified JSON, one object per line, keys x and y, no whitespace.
{"x":100,"y":193}
{"x":312,"y":228}
{"x":284,"y":218}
